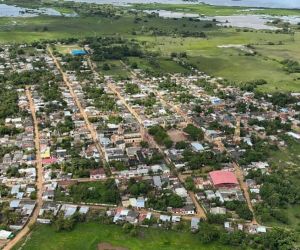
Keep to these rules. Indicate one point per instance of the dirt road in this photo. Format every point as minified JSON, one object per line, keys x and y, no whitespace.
{"x":240,"y":176}
{"x":90,"y":127}
{"x":39,"y":181}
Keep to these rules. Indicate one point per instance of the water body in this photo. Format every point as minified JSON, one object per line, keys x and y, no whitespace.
{"x":14,"y":11}
{"x":288,"y":4}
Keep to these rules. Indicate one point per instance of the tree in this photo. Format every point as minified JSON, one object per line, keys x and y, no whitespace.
{"x":144,"y":144}
{"x":194,"y":132}
{"x":278,"y":238}
{"x":189,"y":183}
{"x":105,"y":67}
{"x":244,"y":212}
{"x":208,"y":233}
{"x":181,"y":145}
{"x":174,"y":201}
{"x":233,"y":238}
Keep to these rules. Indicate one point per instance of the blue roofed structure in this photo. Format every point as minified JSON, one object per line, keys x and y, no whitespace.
{"x":78,"y":52}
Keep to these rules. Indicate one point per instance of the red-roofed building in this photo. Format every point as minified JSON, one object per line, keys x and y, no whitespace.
{"x":223,"y":179}
{"x":49,"y":161}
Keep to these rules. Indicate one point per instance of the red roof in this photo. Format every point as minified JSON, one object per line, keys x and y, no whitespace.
{"x":223,"y":177}
{"x":49,"y":160}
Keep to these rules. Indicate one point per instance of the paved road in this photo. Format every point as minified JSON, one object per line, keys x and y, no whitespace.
{"x":39,"y":182}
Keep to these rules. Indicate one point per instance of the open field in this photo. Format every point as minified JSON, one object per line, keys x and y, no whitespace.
{"x":116,"y":70}
{"x":66,"y":49}
{"x":89,"y":235}
{"x":232,"y":63}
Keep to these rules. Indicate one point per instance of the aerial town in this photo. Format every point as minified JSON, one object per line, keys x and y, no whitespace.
{"x":162,"y":152}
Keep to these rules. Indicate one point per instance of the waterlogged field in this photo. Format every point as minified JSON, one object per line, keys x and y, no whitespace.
{"x":88,"y":235}
{"x":211,"y":10}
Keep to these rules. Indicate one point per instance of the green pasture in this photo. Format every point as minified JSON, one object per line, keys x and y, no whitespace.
{"x":87,"y":235}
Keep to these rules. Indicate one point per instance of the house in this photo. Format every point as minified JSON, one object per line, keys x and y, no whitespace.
{"x":175,"y":218}
{"x":197,"y":147}
{"x":189,"y":209}
{"x":140,"y":202}
{"x":157,"y":181}
{"x":115,"y":154}
{"x":97,"y":174}
{"x":195,"y":223}
{"x":165,"y":218}
{"x":132,"y":217}
{"x":83,"y":210}
{"x":5,"y":235}
{"x":228,"y":226}
{"x":254,"y":229}
{"x":182,"y":192}
{"x":218,"y":210}
{"x":69,"y":210}
{"x":210,"y":195}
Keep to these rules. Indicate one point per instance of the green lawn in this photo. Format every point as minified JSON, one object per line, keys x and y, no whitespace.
{"x":87,"y":235}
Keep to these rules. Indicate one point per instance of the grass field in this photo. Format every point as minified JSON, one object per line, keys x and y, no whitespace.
{"x":233,"y":64}
{"x":116,"y":70}
{"x":87,"y":235}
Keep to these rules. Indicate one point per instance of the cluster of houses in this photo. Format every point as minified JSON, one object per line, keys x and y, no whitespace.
{"x":171,"y":102}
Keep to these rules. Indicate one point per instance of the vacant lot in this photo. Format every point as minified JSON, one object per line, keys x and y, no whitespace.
{"x":177,"y":135}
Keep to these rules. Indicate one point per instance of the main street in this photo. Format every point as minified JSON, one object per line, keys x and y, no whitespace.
{"x":39,"y":182}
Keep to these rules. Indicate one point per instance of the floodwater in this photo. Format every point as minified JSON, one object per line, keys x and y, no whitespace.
{"x":250,"y":21}
{"x":288,"y":4}
{"x":257,"y":22}
{"x":14,"y":11}
{"x":171,"y":14}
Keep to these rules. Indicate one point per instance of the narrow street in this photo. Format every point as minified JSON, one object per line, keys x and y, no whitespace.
{"x":90,"y":127}
{"x":39,"y":181}
{"x":240,"y":176}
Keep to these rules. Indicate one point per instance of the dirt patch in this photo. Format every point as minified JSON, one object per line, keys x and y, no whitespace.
{"x":108,"y":246}
{"x":177,"y":135}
